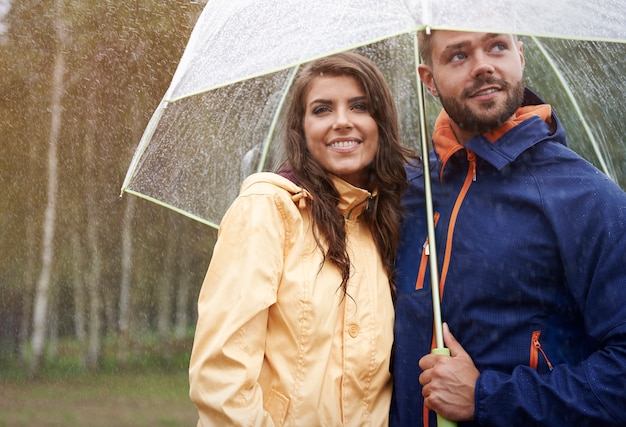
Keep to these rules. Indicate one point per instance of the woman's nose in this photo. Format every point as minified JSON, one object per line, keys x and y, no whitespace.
{"x":342,"y":119}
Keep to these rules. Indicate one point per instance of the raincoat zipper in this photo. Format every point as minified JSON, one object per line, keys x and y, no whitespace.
{"x":367,"y":200}
{"x":535,"y":349}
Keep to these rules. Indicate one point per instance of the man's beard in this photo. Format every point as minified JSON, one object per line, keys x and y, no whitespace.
{"x":478,"y":122}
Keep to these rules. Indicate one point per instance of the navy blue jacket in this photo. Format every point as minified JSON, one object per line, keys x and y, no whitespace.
{"x":535,"y":290}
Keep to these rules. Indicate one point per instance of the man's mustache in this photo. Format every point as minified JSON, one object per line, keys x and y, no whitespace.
{"x":482,"y":82}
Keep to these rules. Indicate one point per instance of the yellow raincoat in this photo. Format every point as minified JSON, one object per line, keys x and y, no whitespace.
{"x":277,"y":343}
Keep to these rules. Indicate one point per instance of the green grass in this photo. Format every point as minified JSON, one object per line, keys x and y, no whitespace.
{"x":149,"y":391}
{"x":109,"y":399}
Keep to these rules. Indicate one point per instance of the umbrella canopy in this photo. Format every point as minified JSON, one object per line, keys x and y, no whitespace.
{"x":216,"y":123}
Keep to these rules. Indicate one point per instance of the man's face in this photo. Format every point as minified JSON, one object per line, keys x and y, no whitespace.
{"x":478,"y":78}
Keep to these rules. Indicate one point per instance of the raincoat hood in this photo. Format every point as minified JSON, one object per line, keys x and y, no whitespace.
{"x":353,"y":200}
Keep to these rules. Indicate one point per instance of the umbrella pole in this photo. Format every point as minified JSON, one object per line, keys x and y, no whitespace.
{"x":430,"y":223}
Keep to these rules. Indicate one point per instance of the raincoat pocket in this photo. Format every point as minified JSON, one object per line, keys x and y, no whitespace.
{"x":536,"y":349}
{"x":276,"y":405}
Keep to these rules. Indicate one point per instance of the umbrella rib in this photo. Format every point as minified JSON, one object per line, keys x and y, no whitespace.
{"x":270,"y":132}
{"x":579,"y":113}
{"x":172,"y":207}
{"x":143,"y":144}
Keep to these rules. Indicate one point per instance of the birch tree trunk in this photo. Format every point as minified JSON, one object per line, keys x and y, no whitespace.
{"x":126,"y":280}
{"x":28,"y":292}
{"x":52,"y":347}
{"x":182,"y":293}
{"x":165,"y":288}
{"x":125,"y":305}
{"x":42,"y":289}
{"x":94,"y":343}
{"x":78,"y":286}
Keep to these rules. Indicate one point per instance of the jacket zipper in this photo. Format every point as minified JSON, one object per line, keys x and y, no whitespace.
{"x":535,"y":349}
{"x":367,"y":200}
{"x":421,"y":273}
{"x":469,"y":178}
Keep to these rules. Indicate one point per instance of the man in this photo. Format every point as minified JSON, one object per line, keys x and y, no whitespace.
{"x":531,"y":244}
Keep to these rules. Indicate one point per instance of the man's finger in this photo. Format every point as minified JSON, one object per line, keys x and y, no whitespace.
{"x":451,"y":342}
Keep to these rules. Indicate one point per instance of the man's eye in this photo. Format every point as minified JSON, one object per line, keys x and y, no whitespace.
{"x":499,"y":47}
{"x":459,"y":56}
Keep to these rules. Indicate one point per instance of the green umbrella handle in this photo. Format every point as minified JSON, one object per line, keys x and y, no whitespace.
{"x":441,"y":421}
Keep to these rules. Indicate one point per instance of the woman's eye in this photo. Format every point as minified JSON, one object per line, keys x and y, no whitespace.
{"x":320,"y":109}
{"x":361,"y":106}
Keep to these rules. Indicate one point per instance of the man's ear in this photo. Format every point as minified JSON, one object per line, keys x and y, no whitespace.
{"x":426,"y":75}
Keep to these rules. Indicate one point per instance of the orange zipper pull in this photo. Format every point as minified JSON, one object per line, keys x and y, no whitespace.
{"x":421,"y":273}
{"x":471,"y":157}
{"x":537,"y":346}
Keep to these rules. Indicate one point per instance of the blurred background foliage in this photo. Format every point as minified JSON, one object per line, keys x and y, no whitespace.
{"x":117,"y":59}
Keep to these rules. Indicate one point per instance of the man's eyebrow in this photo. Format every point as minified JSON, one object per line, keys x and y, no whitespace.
{"x":456,"y":46}
{"x":463,"y":44}
{"x":489,"y":36}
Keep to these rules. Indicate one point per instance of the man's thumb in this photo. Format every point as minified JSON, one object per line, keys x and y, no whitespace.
{"x":451,"y":342}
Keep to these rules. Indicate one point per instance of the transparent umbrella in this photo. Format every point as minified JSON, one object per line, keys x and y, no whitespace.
{"x":217,"y":121}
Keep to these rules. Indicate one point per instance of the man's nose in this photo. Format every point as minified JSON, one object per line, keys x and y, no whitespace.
{"x":482,"y":65}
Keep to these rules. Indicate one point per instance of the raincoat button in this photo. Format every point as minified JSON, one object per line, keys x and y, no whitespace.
{"x":353,"y":330}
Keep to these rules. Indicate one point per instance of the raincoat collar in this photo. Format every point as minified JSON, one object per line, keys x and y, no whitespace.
{"x":533,"y":122}
{"x":353,"y":201}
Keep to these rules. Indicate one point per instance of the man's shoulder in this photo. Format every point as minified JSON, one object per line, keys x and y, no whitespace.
{"x":414,"y":172}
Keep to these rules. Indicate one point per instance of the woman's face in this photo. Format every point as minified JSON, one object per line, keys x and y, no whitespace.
{"x":340,"y":132}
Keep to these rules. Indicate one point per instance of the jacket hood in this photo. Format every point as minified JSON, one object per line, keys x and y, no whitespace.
{"x":298,"y":194}
{"x":503,"y":144}
{"x":352,"y":200}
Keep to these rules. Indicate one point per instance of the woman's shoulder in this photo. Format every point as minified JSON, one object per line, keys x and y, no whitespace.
{"x":268,"y":183}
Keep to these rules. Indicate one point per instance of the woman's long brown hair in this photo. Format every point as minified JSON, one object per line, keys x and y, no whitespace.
{"x":388,"y":174}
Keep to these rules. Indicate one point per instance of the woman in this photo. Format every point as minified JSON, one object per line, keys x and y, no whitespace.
{"x":296,"y":315}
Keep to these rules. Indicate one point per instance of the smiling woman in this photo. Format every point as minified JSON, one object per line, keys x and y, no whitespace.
{"x":315,"y":248}
{"x":341,"y":133}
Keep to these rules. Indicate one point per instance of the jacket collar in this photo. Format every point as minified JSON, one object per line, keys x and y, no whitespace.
{"x":532,"y":123}
{"x":353,"y":201}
